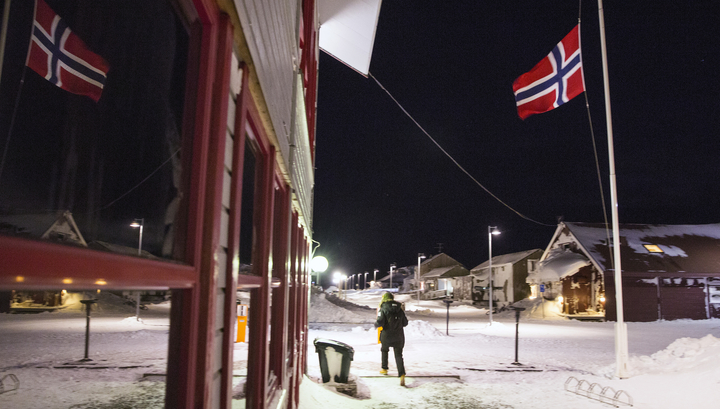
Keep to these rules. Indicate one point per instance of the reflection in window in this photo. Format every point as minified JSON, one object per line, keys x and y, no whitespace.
{"x":108,"y":162}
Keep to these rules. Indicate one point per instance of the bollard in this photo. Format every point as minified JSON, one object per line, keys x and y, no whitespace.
{"x":88,"y":304}
{"x":517,"y":324}
{"x":447,"y":320}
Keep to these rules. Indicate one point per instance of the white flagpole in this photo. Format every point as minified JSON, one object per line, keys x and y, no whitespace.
{"x":3,"y":33}
{"x":621,"y":342}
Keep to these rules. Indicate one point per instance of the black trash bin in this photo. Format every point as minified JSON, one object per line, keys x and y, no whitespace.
{"x":335,"y":358}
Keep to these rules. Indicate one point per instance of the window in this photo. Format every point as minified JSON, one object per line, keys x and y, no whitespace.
{"x":653,"y":248}
{"x":107,"y":162}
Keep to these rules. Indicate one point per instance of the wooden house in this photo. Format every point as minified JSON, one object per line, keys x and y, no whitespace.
{"x":668,"y":271}
{"x":203,"y":126}
{"x":439,"y":275}
{"x":510,"y":273}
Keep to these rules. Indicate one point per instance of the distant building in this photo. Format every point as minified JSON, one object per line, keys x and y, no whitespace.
{"x":510,"y":272}
{"x":439,"y":276}
{"x":397,"y":278}
{"x":668,"y":271}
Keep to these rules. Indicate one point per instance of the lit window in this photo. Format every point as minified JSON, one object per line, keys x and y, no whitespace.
{"x":653,"y":248}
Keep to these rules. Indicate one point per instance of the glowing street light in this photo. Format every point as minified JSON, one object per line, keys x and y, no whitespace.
{"x":339,"y":278}
{"x":318,"y":265}
{"x":417,"y":276}
{"x":392,"y":267}
{"x":492,"y":230}
{"x":139,"y":223}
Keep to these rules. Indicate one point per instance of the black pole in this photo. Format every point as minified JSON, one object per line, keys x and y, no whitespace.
{"x":447,"y":319}
{"x":517,"y":325}
{"x":88,"y":304}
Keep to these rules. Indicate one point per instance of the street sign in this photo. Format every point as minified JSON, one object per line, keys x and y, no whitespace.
{"x":542,"y":288}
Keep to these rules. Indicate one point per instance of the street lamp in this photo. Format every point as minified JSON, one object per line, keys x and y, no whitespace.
{"x":492,"y":230}
{"x":392,"y":267}
{"x":365,"y":286}
{"x":375,"y":274}
{"x":417,"y":276}
{"x":318,"y":265}
{"x":139,"y":223}
{"x":338,"y":278}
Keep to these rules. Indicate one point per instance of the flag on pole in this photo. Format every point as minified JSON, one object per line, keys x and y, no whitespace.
{"x":555,"y":80}
{"x":61,"y":57}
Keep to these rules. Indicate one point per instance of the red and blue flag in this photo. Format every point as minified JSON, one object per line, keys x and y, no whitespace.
{"x":61,"y":57}
{"x":555,"y":80}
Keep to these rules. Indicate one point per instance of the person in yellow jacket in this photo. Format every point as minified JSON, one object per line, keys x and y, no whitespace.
{"x":392,"y":319}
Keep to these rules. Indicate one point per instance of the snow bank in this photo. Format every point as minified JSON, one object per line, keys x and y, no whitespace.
{"x":682,"y":356}
{"x":422,"y":329}
{"x":685,"y":354}
{"x":322,"y":310}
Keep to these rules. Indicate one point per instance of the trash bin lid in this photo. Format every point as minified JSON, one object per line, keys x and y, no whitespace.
{"x":324,"y":342}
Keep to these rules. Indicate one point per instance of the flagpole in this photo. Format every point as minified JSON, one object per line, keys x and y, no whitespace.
{"x":621,"y":341}
{"x":3,"y":34}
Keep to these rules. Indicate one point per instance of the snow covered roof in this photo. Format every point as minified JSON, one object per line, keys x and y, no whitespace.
{"x":652,"y":248}
{"x":56,"y":226}
{"x":445,"y":272}
{"x":560,"y":264}
{"x":511,"y":258}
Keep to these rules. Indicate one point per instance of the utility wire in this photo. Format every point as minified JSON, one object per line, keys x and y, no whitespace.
{"x":142,"y":181}
{"x":453,"y":159}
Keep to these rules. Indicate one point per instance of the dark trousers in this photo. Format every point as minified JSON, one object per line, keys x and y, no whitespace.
{"x":398,"y":350}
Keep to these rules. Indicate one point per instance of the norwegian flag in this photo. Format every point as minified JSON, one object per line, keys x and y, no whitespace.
{"x":61,"y":57}
{"x":555,"y":80}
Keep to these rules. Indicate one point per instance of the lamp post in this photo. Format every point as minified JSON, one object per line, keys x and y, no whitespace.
{"x":338,"y":278}
{"x":375,"y":274}
{"x":392,"y":267}
{"x":492,"y":230}
{"x":365,"y":286}
{"x":417,"y":276}
{"x":318,"y":265}
{"x":138,"y":223}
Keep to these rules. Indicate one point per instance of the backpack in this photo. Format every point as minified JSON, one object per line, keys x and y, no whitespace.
{"x":395,"y":318}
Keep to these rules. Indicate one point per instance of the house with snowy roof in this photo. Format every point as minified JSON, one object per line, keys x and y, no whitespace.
{"x":668,"y":271}
{"x":509,"y":277}
{"x":439,"y":277}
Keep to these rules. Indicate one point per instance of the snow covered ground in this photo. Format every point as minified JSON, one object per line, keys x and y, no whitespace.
{"x":672,"y":363}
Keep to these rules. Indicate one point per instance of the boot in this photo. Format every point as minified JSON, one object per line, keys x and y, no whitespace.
{"x":383,"y":371}
{"x":402,"y":380}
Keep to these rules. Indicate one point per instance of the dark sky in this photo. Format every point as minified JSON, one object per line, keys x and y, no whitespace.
{"x":384,"y":192}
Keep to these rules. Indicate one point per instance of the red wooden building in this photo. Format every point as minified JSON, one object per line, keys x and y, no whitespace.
{"x":205,"y":131}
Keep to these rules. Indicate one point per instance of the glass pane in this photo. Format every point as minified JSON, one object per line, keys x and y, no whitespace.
{"x":106,"y":162}
{"x":240,"y":350}
{"x":247,"y":210}
{"x":115,"y":359}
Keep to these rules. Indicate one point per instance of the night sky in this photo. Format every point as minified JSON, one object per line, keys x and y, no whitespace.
{"x":384,"y":192}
